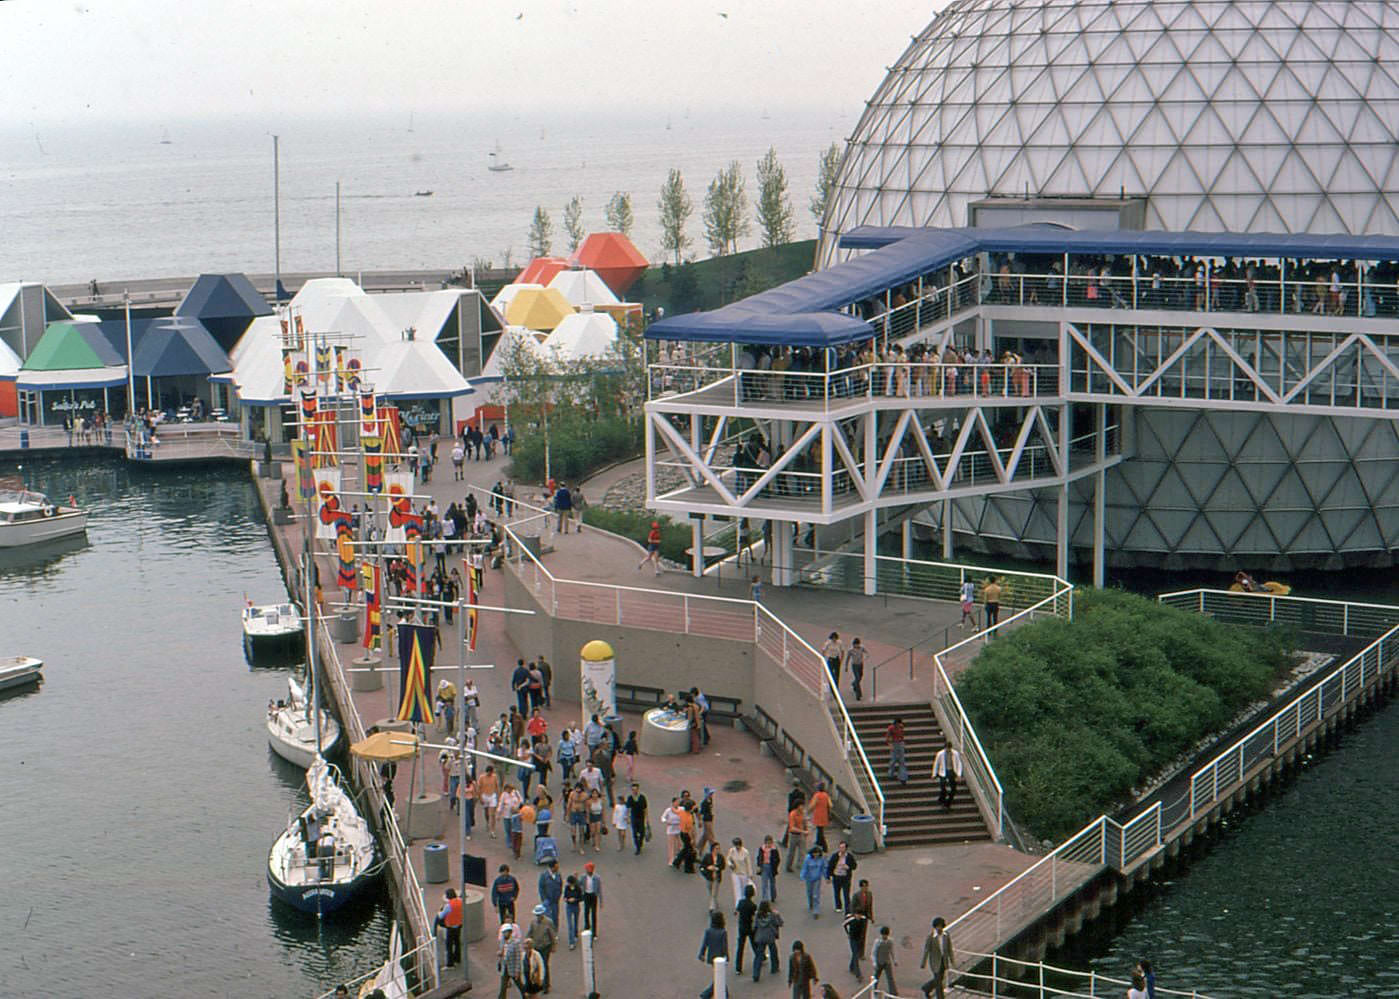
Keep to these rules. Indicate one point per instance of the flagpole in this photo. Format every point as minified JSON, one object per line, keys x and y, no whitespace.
{"x":461,"y":780}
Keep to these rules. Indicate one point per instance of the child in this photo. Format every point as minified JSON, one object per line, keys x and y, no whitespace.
{"x":757,"y":590}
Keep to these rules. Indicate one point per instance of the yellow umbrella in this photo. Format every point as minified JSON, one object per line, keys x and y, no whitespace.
{"x":387,"y":747}
{"x":538,"y":309}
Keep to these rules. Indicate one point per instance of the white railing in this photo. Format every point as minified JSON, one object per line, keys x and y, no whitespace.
{"x":1036,"y":979}
{"x":414,"y":959}
{"x":710,"y":617}
{"x":1105,"y":842}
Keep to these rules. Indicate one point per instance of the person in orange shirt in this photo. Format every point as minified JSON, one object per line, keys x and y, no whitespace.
{"x":687,"y":855}
{"x":821,"y":814}
{"x":796,"y":835}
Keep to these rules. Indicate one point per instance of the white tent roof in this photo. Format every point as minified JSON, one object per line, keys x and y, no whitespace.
{"x":257,"y":362}
{"x":583,"y":287}
{"x":9,"y":361}
{"x":72,"y":378}
{"x":425,"y":311}
{"x":583,"y":334}
{"x":502,"y":299}
{"x":511,"y":339}
{"x":416,"y":369}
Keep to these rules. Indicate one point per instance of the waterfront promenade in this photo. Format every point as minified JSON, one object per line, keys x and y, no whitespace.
{"x":653,"y":917}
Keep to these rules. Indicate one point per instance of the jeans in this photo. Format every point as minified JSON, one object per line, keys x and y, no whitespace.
{"x":813,"y":896}
{"x":745,"y":937}
{"x":898,"y":762}
{"x":758,"y":951}
{"x":590,"y":913}
{"x":571,"y":915}
{"x":841,"y":889}
{"x":769,"y":886}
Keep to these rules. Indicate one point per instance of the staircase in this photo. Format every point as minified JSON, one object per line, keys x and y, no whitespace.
{"x":912,"y":814}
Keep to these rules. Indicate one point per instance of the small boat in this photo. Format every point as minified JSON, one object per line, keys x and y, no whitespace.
{"x":165,"y":138}
{"x":270,"y":627}
{"x":498,"y":163}
{"x":327,"y":853}
{"x":422,"y":194}
{"x":28,"y":518}
{"x":291,"y":729}
{"x":20,"y":671}
{"x":390,"y":980}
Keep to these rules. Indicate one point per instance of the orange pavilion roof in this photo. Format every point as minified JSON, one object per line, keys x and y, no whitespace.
{"x":613,"y":256}
{"x":541,"y":270}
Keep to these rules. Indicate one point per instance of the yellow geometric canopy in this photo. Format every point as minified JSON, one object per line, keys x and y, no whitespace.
{"x":538,"y":309}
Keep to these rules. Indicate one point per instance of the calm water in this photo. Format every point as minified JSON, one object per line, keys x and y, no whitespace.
{"x":140,"y":795}
{"x":111,"y":202}
{"x":1296,"y":898}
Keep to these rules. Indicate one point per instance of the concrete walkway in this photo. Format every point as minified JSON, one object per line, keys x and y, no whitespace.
{"x":653,"y":917}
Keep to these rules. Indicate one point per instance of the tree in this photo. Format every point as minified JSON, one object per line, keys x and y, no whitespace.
{"x":541,"y":233}
{"x":676,"y":208}
{"x":619,"y":214}
{"x":825,"y":183}
{"x":774,"y":207}
{"x":573,"y":221}
{"x":726,"y":210}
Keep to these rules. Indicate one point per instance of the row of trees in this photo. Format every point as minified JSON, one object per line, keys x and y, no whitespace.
{"x":541,"y":231}
{"x":726,"y":217}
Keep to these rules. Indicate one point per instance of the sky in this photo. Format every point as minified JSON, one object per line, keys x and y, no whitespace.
{"x":75,"y":61}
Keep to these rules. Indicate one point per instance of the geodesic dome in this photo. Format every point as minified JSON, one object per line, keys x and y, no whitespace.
{"x":1233,"y":115}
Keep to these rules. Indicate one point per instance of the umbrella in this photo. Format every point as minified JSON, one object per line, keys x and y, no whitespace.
{"x":387,"y":747}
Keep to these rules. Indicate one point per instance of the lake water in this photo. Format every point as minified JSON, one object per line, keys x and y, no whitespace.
{"x":140,"y":795}
{"x":110,"y":201}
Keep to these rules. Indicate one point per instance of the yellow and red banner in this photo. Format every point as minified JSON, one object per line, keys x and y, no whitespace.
{"x":368,"y":414}
{"x":399,"y":487}
{"x":329,"y":510}
{"x":341,"y":376}
{"x":326,"y":438}
{"x":373,"y":464}
{"x":416,"y":645}
{"x":323,"y":370}
{"x":471,"y":619}
{"x":288,"y":370}
{"x":391,"y":432}
{"x":371,"y":605}
{"x":301,"y":461}
{"x":353,"y":370}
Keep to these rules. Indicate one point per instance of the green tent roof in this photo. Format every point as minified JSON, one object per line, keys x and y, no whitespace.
{"x":69,"y":346}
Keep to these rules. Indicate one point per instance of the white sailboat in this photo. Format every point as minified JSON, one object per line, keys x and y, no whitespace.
{"x":328,"y":853}
{"x":498,"y":163}
{"x":291,"y":727}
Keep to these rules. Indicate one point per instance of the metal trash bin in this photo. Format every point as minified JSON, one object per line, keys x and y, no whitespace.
{"x":346,"y":628}
{"x":862,"y":838}
{"x":435,"y":866}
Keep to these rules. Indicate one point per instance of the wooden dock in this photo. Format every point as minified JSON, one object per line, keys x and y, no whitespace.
{"x":175,"y":443}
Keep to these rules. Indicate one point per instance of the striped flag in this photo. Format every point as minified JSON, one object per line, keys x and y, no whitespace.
{"x":371,"y":605}
{"x":416,"y":645}
{"x":471,"y":611}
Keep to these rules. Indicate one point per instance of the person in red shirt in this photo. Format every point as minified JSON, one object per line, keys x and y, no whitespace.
{"x":898,"y":758}
{"x":536,"y":726}
{"x":653,"y":548}
{"x":796,"y":835}
{"x":821,"y":814}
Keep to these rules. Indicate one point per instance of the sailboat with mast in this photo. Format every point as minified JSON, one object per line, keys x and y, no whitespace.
{"x":327,"y":853}
{"x":498,"y":163}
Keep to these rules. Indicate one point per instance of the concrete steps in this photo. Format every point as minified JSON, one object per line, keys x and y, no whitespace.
{"x":912,"y":814}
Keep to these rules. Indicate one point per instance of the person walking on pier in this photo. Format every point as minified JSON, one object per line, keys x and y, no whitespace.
{"x":591,"y":884}
{"x":813,"y":872}
{"x":820,"y":808}
{"x":801,"y":972}
{"x":551,"y":890}
{"x":855,"y":659}
{"x":746,"y":909}
{"x":449,"y":918}
{"x":947,"y":771}
{"x":543,"y":933}
{"x":767,"y":927}
{"x":769,"y":859}
{"x":636,"y":819}
{"x":937,"y":958}
{"x":740,"y":864}
{"x":834,"y":653}
{"x":510,"y":961}
{"x":856,"y":927}
{"x":839,"y":869}
{"x":504,"y":891}
{"x":968,"y":603}
{"x":991,"y":597}
{"x":883,"y":956}
{"x":715,"y":944}
{"x":572,"y":904}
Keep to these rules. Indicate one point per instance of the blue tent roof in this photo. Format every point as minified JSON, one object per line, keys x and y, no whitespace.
{"x":178,"y":346}
{"x":802,"y":312}
{"x":225,"y":304}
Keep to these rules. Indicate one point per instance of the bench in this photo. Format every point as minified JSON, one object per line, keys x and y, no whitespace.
{"x":637,"y":697}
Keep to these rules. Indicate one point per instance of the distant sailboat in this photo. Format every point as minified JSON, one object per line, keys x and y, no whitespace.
{"x":165,"y":139}
{"x":410,"y":121}
{"x":667,"y":123}
{"x":498,"y":163}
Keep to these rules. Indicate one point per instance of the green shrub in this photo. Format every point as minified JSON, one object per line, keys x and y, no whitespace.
{"x":577,"y":447}
{"x":1074,"y":715}
{"x":636,"y":525}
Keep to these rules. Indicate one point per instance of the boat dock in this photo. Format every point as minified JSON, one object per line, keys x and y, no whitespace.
{"x":174,"y":443}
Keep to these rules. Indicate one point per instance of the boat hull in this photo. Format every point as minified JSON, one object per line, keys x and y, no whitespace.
{"x":318,"y":899}
{"x":37,"y":531}
{"x":21,"y":671}
{"x":298,"y":752}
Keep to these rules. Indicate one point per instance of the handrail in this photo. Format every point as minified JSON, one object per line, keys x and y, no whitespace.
{"x":1020,"y":982}
{"x":418,"y":954}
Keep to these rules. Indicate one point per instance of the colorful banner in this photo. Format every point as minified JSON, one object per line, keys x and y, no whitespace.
{"x":399,"y":486}
{"x":353,"y":370}
{"x":323,"y":369}
{"x":391,"y":432}
{"x":303,"y":371}
{"x":300,"y":334}
{"x":346,"y":575}
{"x":471,"y":619}
{"x":288,"y":370}
{"x":412,"y":563}
{"x":371,"y":605}
{"x":373,"y":464}
{"x":325,"y":438}
{"x":416,"y":646}
{"x":368,"y":414}
{"x":329,"y":510}
{"x":286,"y":333}
{"x":309,"y":407}
{"x":341,"y":378}
{"x":301,"y":461}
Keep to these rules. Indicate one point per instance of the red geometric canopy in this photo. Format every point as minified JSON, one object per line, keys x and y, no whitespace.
{"x":541,"y":270}
{"x":615,"y":259}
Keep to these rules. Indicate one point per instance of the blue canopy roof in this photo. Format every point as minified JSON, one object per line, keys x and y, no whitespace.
{"x":803,"y":312}
{"x":178,"y":346}
{"x":225,"y":304}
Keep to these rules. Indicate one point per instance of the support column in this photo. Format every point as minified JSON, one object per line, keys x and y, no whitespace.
{"x":947,"y":530}
{"x":697,"y":548}
{"x":907,"y":539}
{"x":1061,"y":532}
{"x":1100,"y":483}
{"x":871,"y":549}
{"x":782,"y":571}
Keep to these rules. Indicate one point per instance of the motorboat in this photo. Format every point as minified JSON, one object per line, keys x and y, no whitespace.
{"x":291,"y":727}
{"x":29,"y":518}
{"x":270,"y":626}
{"x":20,"y":671}
{"x":327,"y":853}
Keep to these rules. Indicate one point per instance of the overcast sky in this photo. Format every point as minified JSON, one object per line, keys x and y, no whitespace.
{"x":74,"y":60}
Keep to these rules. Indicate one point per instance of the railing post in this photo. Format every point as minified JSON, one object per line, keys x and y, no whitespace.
{"x":686,"y":600}
{"x":618,"y":603}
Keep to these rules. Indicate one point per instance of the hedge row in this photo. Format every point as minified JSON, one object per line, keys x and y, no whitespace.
{"x":1075,"y":715}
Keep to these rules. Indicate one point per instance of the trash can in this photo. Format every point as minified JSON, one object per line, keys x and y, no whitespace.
{"x":23,"y":439}
{"x":435,"y":866}
{"x":862,"y":838}
{"x":346,"y":628}
{"x":531,"y":544}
